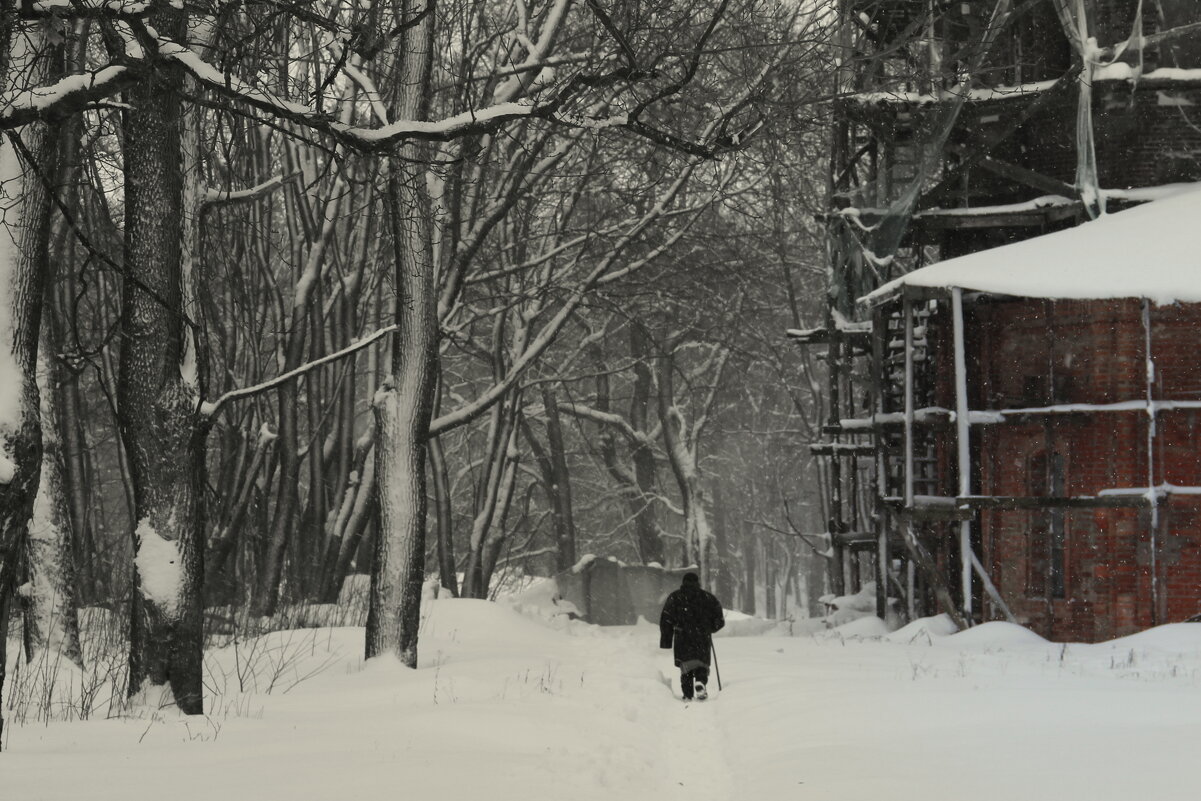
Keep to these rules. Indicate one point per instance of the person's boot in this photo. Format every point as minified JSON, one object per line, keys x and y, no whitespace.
{"x":700,"y":691}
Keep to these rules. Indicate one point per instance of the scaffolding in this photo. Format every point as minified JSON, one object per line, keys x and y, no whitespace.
{"x":959,"y":126}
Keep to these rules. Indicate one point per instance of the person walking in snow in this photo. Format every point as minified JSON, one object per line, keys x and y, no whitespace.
{"x":689,"y":618}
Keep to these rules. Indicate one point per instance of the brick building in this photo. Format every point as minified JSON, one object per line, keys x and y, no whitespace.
{"x":1067,"y":389}
{"x":1054,"y":489}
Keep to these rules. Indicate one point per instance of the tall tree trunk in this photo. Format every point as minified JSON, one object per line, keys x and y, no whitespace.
{"x":748,"y":566}
{"x":267,"y":594}
{"x":158,"y":388}
{"x":447,"y":574}
{"x":556,"y":481}
{"x":493,"y":494}
{"x":403,"y":407}
{"x":5,"y":597}
{"x":637,"y":487}
{"x":769,"y":579}
{"x":360,"y":487}
{"x":405,"y":401}
{"x":784,"y":572}
{"x":361,"y":514}
{"x":309,"y":545}
{"x":724,"y":579}
{"x":108,"y":366}
{"x":287,"y":505}
{"x":563,"y":512}
{"x":498,"y":534}
{"x":646,"y":528}
{"x":68,"y":402}
{"x":225,"y":540}
{"x":51,"y":622}
{"x":681,"y":455}
{"x":76,"y":479}
{"x":27,"y":160}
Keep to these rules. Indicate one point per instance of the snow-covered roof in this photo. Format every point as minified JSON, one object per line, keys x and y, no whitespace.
{"x":1152,"y":251}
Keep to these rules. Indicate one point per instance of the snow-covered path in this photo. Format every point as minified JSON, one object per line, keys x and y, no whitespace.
{"x":506,"y":707}
{"x":503,"y":708}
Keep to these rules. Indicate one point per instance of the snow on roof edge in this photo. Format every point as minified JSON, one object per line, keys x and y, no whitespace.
{"x":1151,"y":251}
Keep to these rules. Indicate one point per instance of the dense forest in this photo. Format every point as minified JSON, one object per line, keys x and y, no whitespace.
{"x":292,"y":291}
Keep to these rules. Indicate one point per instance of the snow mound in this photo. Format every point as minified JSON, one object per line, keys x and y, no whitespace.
{"x":862,"y":602}
{"x":1176,"y":637}
{"x":747,"y":626}
{"x":853,"y":616}
{"x":864,"y":628}
{"x":925,"y":628}
{"x":486,"y":624}
{"x":997,"y":632}
{"x":843,"y":609}
{"x":541,"y":600}
{"x":512,"y":584}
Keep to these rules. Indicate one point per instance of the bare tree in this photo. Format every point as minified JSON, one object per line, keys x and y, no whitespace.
{"x":510,"y":166}
{"x":51,"y":620}
{"x":160,"y":384}
{"x":27,"y":162}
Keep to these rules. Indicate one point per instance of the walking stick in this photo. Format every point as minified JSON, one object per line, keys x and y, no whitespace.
{"x":716,"y":669}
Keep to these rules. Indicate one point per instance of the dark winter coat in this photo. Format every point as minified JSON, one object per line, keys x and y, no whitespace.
{"x":689,"y":617}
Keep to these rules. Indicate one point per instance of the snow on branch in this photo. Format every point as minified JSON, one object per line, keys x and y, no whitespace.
{"x":574,"y":298}
{"x":215,"y":197}
{"x":365,"y":139}
{"x":65,"y":96}
{"x":1145,"y":42}
{"x":518,"y":99}
{"x":715,"y":366}
{"x":467,"y":123}
{"x":473,"y":121}
{"x":616,"y":421}
{"x":93,"y":8}
{"x":603,"y":273}
{"x":210,"y":409}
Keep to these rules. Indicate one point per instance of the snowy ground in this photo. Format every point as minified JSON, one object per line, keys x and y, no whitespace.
{"x":510,"y":707}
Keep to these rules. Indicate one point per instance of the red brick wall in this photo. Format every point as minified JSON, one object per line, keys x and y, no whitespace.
{"x":1145,"y":136}
{"x":1089,"y":352}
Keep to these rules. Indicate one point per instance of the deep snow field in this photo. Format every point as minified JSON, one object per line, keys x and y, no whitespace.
{"x":511,"y":704}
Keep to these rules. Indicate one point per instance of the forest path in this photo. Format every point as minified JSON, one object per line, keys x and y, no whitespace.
{"x":503,"y":707}
{"x":696,"y":760}
{"x":692,"y":760}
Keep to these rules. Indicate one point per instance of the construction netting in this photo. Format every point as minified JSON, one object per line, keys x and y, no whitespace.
{"x":910,"y":82}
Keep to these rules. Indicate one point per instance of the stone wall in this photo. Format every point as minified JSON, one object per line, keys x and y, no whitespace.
{"x":610,"y":593}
